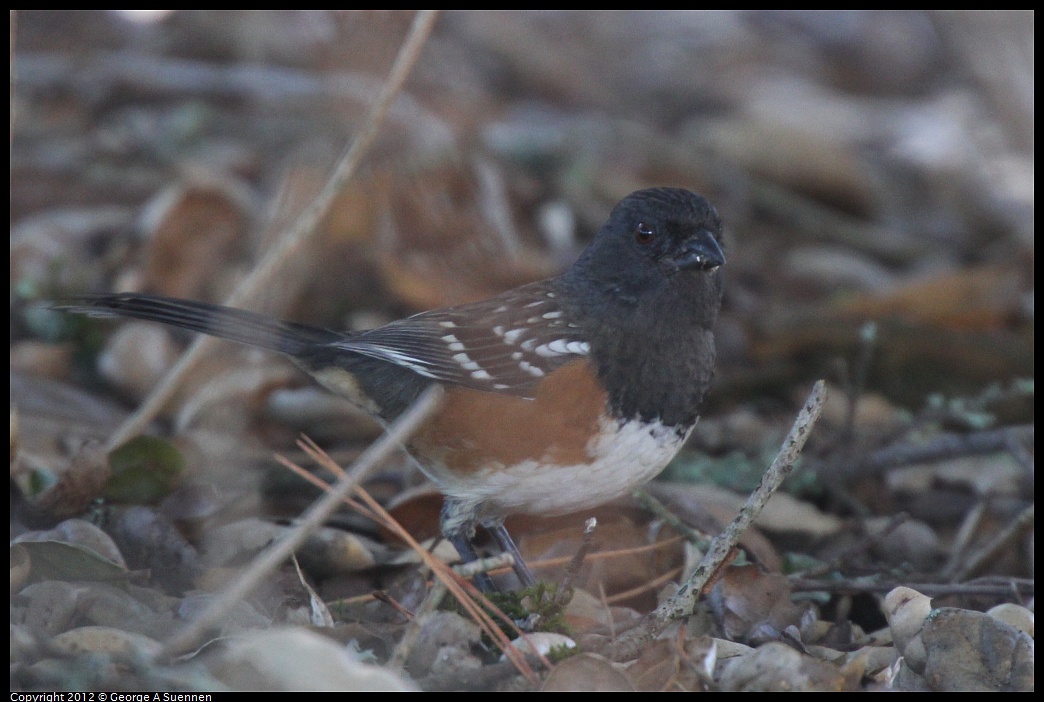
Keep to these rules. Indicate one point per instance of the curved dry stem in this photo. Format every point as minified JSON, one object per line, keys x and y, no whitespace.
{"x":298,"y":234}
{"x":374,"y":456}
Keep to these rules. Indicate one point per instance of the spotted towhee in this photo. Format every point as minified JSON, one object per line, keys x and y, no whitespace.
{"x":560,"y":395}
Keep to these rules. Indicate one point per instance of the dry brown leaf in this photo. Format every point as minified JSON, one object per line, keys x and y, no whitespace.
{"x":193,"y":230}
{"x":328,"y":551}
{"x":986,"y":297}
{"x":78,"y":485}
{"x":672,"y":665}
{"x":586,"y":612}
{"x":78,"y":532}
{"x":451,"y":237}
{"x":750,"y":603}
{"x":52,"y":415}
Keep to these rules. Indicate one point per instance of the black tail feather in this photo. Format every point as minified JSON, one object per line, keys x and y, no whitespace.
{"x":216,"y":320}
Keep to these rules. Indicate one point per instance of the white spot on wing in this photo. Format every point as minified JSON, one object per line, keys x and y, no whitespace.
{"x":562,"y":347}
{"x":466,"y":363}
{"x":511,"y":337}
{"x":534,"y":371}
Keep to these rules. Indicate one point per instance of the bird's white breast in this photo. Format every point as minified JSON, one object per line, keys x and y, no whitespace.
{"x":623,"y":457}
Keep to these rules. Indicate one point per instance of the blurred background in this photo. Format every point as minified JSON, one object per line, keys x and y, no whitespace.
{"x":874,"y":171}
{"x":868,"y":165}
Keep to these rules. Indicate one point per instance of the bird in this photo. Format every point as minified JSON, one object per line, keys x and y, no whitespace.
{"x":560,"y":395}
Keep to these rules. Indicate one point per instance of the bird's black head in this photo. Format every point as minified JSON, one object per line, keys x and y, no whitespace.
{"x":652,"y":236}
{"x":646,"y":294}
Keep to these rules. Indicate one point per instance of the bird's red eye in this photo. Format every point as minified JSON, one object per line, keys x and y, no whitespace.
{"x":644,"y":233}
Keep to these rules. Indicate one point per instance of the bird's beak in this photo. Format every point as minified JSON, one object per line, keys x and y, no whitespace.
{"x":702,"y":252}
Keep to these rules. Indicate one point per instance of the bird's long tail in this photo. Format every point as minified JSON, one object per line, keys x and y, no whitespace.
{"x":216,"y":320}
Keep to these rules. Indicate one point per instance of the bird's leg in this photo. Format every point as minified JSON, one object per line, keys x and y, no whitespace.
{"x":462,"y":543}
{"x":507,"y":544}
{"x":458,"y":526}
{"x":460,"y":533}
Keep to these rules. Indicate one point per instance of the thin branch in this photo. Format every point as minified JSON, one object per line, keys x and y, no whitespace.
{"x":969,"y":527}
{"x":868,"y":339}
{"x":577,"y":561}
{"x":862,"y":546}
{"x":653,"y":585}
{"x":1022,"y":523}
{"x":378,"y":452}
{"x":859,"y":587}
{"x":683,"y":602}
{"x":940,"y":448}
{"x":660,"y":510}
{"x":608,"y":554}
{"x":299,"y":233}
